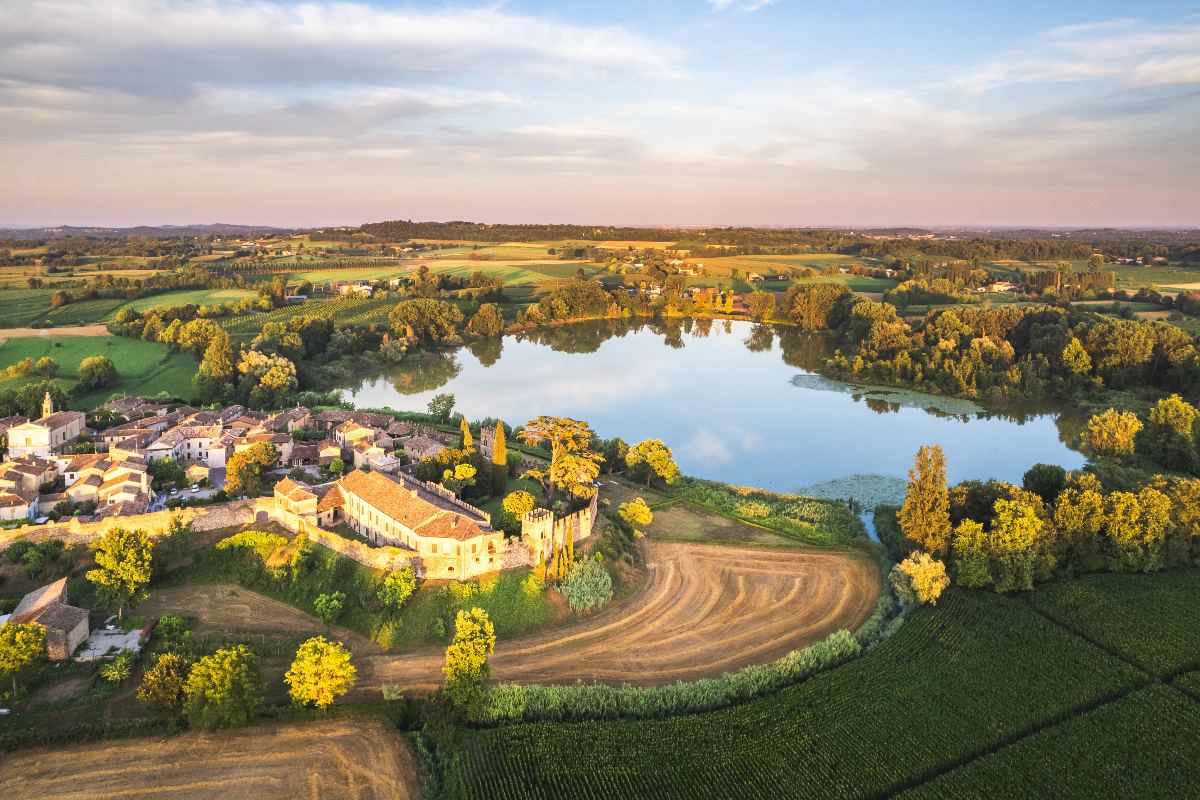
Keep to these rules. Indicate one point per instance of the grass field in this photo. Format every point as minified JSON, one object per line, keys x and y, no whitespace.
{"x":143,"y":368}
{"x":957,"y":682}
{"x":196,"y":297}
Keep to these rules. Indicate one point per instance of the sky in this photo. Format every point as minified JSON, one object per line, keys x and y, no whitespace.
{"x":686,"y":112}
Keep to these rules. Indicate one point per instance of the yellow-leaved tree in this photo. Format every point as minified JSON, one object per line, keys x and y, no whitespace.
{"x":920,"y":578}
{"x":320,"y":673}
{"x":466,"y":668}
{"x":925,"y":516}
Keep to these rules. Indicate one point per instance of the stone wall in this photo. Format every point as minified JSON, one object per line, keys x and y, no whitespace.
{"x":540,"y":528}
{"x":222,"y":515}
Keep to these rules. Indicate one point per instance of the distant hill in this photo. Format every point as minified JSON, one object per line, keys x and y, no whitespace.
{"x":153,"y":231}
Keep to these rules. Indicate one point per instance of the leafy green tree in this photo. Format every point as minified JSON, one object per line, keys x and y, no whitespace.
{"x":1111,"y":435}
{"x":396,"y":587}
{"x":466,"y":668}
{"x":1171,"y":433}
{"x":329,"y":607}
{"x":96,"y":372}
{"x":971,"y":560}
{"x":246,"y":471}
{"x":658,"y":459}
{"x":462,"y":476}
{"x":166,"y":472}
{"x":426,"y":320}
{"x":487,"y":321}
{"x":761,"y":304}
{"x":124,"y":560}
{"x":441,"y":405}
{"x":320,"y":673}
{"x":1137,"y":525}
{"x":21,"y":645}
{"x":1014,"y":539}
{"x":215,"y":378}
{"x":925,"y":515}
{"x":267,"y":379}
{"x":573,"y":467}
{"x":337,"y":466}
{"x":1075,"y":358}
{"x":1044,"y":480}
{"x":47,"y":367}
{"x":225,"y":688}
{"x":1079,"y":518}
{"x":163,"y":684}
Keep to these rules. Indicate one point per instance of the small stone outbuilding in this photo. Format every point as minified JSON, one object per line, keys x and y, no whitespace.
{"x":66,"y":625}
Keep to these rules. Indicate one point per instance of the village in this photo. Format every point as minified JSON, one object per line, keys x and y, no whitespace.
{"x":341,"y":478}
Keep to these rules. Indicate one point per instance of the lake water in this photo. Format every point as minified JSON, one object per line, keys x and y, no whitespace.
{"x":736,"y":402}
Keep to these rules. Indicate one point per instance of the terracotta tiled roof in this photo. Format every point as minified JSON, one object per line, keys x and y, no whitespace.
{"x":331,"y":499}
{"x":296,"y":492}
{"x":61,"y":419}
{"x":407,"y":507}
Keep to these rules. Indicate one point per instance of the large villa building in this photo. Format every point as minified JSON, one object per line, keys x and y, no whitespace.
{"x":450,"y":538}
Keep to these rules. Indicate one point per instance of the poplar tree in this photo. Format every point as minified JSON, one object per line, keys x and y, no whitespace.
{"x":925,"y":516}
{"x":467,"y":441}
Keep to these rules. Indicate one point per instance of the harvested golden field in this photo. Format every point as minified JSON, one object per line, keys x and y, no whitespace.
{"x":347,"y":758}
{"x":706,"y":609}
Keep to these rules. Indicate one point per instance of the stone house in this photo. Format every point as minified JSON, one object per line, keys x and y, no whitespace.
{"x":66,"y":625}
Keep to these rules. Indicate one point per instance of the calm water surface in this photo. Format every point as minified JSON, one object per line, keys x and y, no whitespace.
{"x":736,"y":402}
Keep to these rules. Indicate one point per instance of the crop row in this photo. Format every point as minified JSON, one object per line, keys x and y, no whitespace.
{"x":1158,"y":630}
{"x":1145,"y":745}
{"x":954,"y":681}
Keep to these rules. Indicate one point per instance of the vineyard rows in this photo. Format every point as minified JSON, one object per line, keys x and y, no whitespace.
{"x":954,"y":681}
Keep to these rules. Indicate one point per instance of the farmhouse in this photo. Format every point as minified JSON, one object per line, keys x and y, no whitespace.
{"x":66,"y":625}
{"x":51,"y":433}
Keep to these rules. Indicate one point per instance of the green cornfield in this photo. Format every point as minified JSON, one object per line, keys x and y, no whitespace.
{"x":956,"y":682}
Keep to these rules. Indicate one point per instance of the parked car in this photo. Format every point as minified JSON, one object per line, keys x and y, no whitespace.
{"x":195,"y":487}
{"x":174,"y":490}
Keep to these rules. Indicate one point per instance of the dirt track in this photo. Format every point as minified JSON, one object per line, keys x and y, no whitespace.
{"x":98,"y":329}
{"x":332,"y":759}
{"x":706,"y":609}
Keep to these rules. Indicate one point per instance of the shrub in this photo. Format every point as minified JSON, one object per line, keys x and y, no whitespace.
{"x":588,"y":585}
{"x":260,"y":542}
{"x":163,"y":684}
{"x":119,"y":668}
{"x":225,"y":688}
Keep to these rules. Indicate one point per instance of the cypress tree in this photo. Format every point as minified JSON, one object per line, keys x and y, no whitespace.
{"x":467,"y":441}
{"x":499,"y":447}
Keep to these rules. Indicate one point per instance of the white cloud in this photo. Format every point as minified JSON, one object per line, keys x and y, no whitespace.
{"x":740,"y":5}
{"x":1130,"y":52}
{"x":156,"y":44}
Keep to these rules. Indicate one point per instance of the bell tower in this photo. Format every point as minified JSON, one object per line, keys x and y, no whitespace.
{"x":47,"y":405}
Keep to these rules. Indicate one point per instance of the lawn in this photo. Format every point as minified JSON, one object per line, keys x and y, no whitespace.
{"x":686,"y":521}
{"x":143,"y":368}
{"x":956,"y":682}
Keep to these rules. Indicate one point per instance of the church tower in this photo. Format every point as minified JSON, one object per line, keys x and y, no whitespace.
{"x":47,"y":405}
